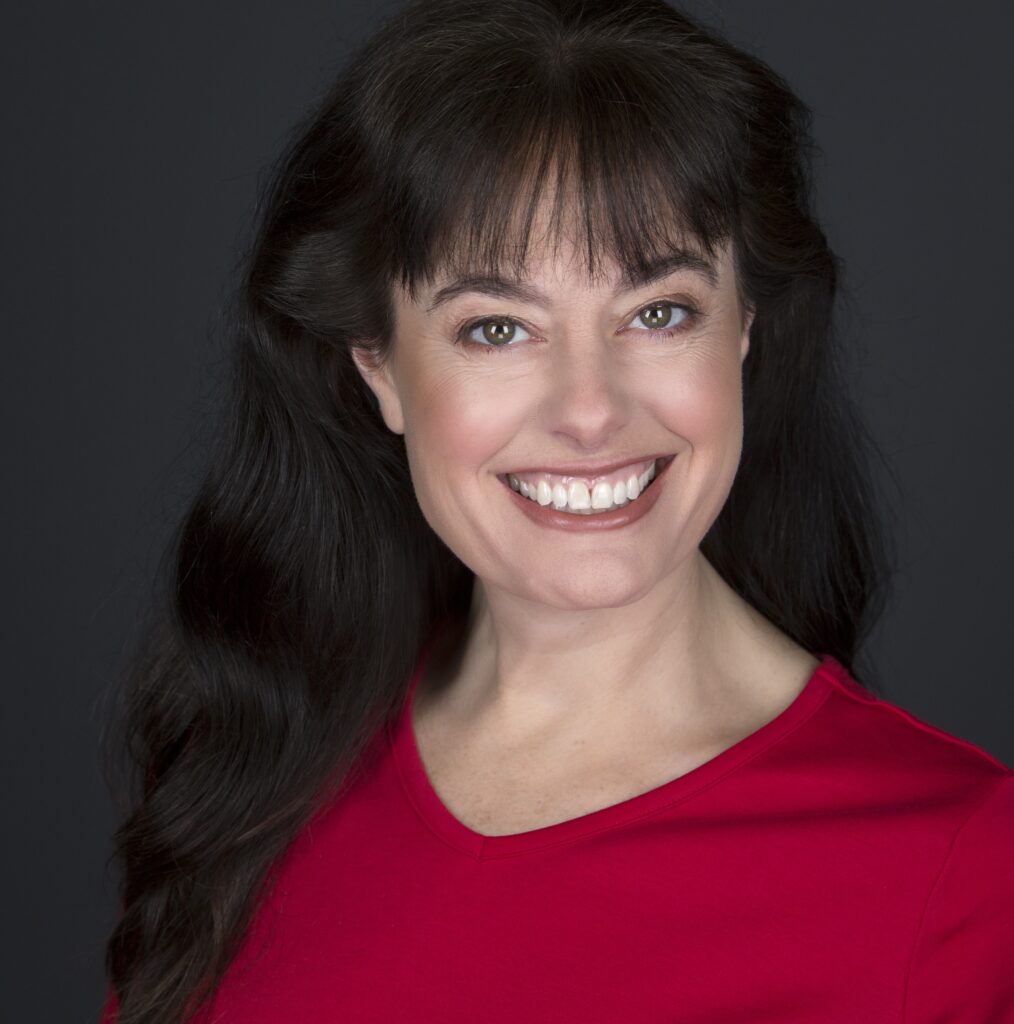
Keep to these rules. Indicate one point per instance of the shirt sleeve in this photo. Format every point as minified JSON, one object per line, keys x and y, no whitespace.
{"x":962,"y":965}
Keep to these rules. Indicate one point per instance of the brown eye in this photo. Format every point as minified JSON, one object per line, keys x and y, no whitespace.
{"x":492,"y":333}
{"x":661,"y":322}
{"x":658,"y":315}
{"x":498,"y":332}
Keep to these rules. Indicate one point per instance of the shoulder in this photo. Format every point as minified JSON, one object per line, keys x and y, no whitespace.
{"x":914,"y":783}
{"x":892,"y":742}
{"x":984,"y":841}
{"x":964,"y":941}
{"x":943,"y":815}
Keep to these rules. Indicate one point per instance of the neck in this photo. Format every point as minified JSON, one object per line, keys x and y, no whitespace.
{"x":677,"y":662}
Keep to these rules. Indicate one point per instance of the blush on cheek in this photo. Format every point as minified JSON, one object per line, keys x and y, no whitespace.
{"x":465,"y":430}
{"x":703,"y":405}
{"x":479,"y":422}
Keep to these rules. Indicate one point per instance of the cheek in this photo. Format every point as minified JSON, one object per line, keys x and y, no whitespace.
{"x":464,"y":420}
{"x":703,"y":402}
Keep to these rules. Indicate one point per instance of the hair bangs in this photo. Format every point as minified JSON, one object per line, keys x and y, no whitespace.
{"x":587,"y":162}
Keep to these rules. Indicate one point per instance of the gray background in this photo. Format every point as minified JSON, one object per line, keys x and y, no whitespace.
{"x":135,"y":139}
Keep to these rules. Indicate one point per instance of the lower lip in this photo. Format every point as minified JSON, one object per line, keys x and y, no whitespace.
{"x":549,"y":515}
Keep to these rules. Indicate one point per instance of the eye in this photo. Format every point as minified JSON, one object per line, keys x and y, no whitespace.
{"x":496,"y":332}
{"x":661,"y":317}
{"x":664,"y":318}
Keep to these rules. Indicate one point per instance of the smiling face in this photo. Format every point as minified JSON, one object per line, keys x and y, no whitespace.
{"x":560,"y":371}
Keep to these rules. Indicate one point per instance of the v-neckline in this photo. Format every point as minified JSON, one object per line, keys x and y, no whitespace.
{"x":446,"y":826}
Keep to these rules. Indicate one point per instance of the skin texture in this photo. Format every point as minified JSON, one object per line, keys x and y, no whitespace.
{"x":593,"y":664}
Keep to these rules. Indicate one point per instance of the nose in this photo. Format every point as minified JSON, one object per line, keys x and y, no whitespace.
{"x":587,"y":402}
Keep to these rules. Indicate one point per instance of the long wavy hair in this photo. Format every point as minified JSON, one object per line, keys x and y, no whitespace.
{"x":302,"y":581}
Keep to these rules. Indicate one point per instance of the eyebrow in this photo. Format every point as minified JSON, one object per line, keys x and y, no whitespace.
{"x":510,"y":289}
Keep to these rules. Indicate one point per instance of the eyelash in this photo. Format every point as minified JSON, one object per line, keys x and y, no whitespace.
{"x":693,"y":316}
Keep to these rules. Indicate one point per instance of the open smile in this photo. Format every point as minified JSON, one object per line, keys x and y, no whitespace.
{"x":569,"y":503}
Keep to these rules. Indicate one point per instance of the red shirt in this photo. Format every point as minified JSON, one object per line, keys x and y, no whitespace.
{"x":846,"y":863}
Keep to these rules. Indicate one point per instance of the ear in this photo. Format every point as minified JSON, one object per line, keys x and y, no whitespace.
{"x":744,"y":343}
{"x":380,"y":380}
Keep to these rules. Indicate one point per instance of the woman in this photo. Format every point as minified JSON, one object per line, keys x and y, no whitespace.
{"x":507,"y":669}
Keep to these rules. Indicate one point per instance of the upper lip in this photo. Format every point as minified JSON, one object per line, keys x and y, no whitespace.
{"x":591,"y":468}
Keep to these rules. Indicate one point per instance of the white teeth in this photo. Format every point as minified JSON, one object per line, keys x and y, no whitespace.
{"x":602,"y":496}
{"x":576,"y":498}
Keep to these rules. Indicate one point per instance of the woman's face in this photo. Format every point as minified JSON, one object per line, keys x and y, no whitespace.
{"x":588,"y":373}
